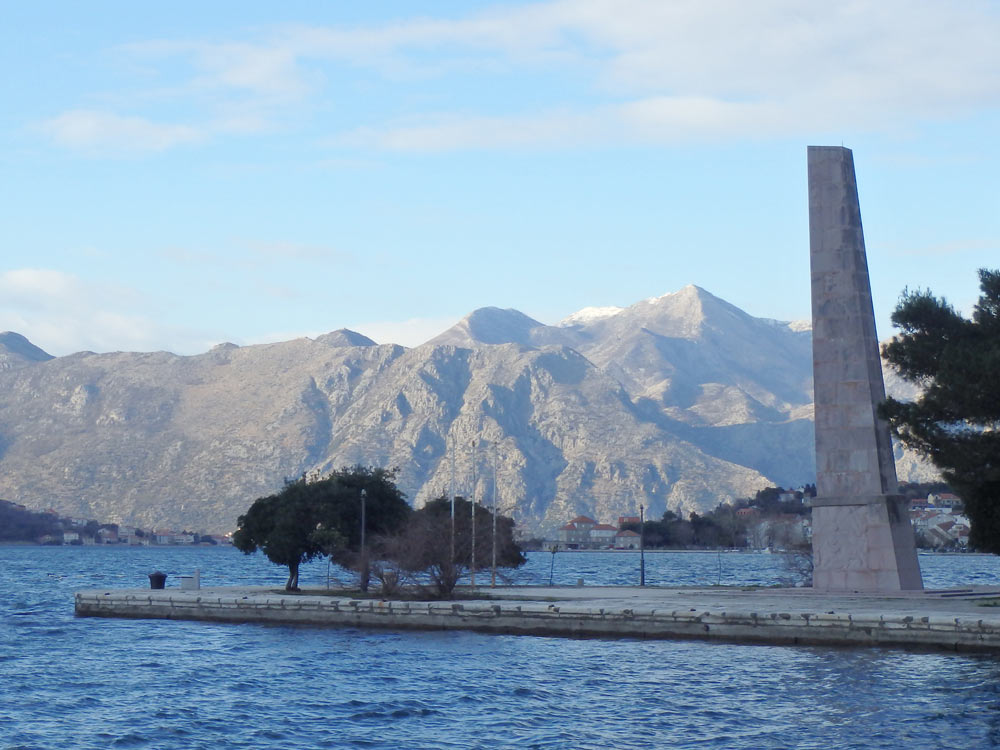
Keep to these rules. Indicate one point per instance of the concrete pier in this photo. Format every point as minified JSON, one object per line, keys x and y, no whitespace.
{"x":862,"y":538}
{"x":952,"y":620}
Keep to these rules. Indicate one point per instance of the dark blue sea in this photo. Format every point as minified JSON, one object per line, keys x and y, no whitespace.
{"x":102,"y":683}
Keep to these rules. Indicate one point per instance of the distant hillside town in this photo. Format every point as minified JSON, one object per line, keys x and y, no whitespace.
{"x":19,"y":524}
{"x":940,"y":522}
{"x":775,"y":519}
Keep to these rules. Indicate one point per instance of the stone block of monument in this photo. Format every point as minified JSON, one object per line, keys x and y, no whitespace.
{"x":862,"y":537}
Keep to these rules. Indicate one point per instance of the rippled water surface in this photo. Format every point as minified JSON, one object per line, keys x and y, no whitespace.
{"x":96,"y":683}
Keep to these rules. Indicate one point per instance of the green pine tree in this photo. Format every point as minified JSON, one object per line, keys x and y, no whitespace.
{"x":956,"y":362}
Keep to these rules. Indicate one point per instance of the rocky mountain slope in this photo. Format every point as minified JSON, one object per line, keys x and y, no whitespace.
{"x":677,"y":402}
{"x":17,"y":351}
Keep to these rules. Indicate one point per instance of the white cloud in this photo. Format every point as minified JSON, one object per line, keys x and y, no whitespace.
{"x":710,"y":69}
{"x":30,"y":286}
{"x":448,"y":132}
{"x":659,"y":72}
{"x":238,"y":87}
{"x":412,"y":332}
{"x":670,"y":119}
{"x":90,"y":130}
{"x":271,"y":69}
{"x":62,"y":314}
{"x":657,"y":120}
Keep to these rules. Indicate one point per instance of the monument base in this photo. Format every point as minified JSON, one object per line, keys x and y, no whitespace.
{"x":864,"y":544}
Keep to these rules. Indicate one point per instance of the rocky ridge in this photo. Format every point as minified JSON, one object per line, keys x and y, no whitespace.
{"x":17,"y":351}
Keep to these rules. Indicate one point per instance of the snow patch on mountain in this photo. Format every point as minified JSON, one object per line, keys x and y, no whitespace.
{"x":589,"y":315}
{"x":796,"y":326}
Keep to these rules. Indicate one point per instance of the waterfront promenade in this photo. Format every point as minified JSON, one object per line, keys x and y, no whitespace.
{"x":955,"y":619}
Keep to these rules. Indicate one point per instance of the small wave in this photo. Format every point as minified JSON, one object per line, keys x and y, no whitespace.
{"x":270,"y":734}
{"x":397,"y":713}
{"x":130,"y":740}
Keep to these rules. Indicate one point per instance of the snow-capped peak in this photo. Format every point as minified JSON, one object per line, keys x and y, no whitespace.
{"x":589,"y":315}
{"x":684,"y":292}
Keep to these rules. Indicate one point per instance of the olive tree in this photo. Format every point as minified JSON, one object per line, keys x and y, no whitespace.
{"x":313,"y":517}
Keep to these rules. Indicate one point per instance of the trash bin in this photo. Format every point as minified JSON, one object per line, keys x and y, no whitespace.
{"x":157,"y":580}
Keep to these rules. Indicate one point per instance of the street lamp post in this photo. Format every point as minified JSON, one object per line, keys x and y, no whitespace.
{"x":451,"y":494}
{"x":642,"y":546}
{"x":364,"y":551}
{"x":472,"y":565}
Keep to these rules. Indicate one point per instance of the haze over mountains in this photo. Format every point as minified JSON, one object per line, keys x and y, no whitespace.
{"x":679,"y":402}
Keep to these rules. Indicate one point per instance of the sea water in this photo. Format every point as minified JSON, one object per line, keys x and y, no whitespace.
{"x":69,"y":682}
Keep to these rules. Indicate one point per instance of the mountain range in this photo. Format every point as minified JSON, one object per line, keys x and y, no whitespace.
{"x":680,"y":402}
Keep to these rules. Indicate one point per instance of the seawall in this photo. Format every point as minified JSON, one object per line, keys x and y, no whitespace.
{"x":937,"y":620}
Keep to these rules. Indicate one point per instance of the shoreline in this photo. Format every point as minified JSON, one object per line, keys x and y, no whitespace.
{"x":952,"y":620}
{"x":657,"y":551}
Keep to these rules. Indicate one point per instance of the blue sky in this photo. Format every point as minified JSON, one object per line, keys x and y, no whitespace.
{"x":177,"y":175}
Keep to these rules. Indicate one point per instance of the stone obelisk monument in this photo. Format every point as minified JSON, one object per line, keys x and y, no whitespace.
{"x":862,"y":538}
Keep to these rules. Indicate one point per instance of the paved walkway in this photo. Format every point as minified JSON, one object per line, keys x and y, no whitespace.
{"x":966,"y":602}
{"x":966,"y":619}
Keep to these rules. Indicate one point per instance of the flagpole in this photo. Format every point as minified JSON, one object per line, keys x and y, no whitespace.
{"x":472,"y":568}
{"x":451,"y":492}
{"x":493,"y":572}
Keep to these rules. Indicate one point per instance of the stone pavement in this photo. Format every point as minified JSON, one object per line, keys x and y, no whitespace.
{"x":954,"y":620}
{"x":945,"y":601}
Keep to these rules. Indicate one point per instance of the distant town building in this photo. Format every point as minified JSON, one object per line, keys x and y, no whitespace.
{"x":939,"y":527}
{"x":944,"y":500}
{"x":576,"y":534}
{"x":107,"y":536}
{"x":603,"y":535}
{"x":584,"y":532}
{"x":627,"y":540}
